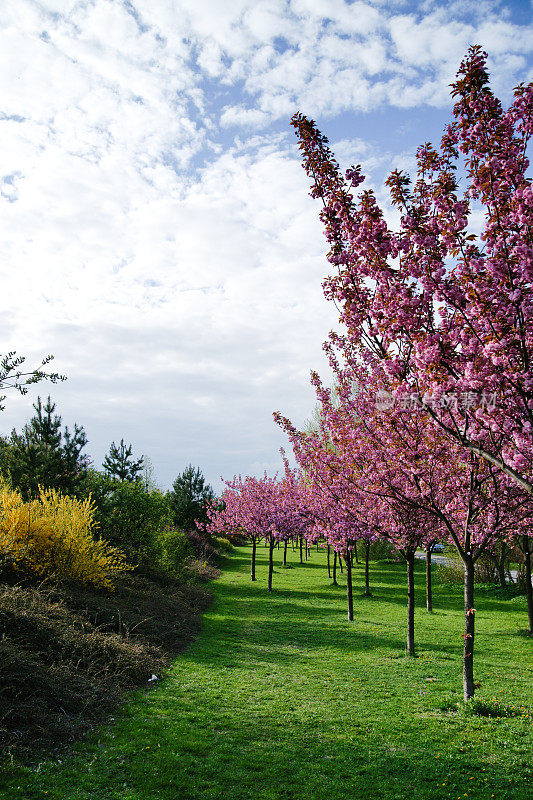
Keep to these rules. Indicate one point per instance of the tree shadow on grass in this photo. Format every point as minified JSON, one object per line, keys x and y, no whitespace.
{"x":293,"y":615}
{"x":253,"y":751}
{"x":246,"y":631}
{"x":313,"y":765}
{"x":326,"y":601}
{"x":250,"y":750}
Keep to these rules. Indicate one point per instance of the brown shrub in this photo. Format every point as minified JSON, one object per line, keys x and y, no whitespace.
{"x":67,"y":654}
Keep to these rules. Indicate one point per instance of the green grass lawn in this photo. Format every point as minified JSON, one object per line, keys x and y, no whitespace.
{"x":281,"y":697}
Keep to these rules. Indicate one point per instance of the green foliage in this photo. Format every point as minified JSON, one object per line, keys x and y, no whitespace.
{"x":222,"y":545}
{"x":176,"y":549}
{"x":44,"y":455}
{"x":189,"y":497}
{"x":379,"y":550}
{"x":451,"y":573}
{"x":5,"y":459}
{"x":129,"y":515}
{"x":119,"y":463}
{"x":13,"y":376}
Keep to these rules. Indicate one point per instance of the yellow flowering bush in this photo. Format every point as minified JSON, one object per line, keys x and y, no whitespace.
{"x":53,"y":536}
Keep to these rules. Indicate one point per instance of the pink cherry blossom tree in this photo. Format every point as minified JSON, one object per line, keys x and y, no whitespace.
{"x":448,"y":311}
{"x":405,"y":481}
{"x":442,"y":314}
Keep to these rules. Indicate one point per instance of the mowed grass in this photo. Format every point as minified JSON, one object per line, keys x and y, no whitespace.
{"x":281,"y":697}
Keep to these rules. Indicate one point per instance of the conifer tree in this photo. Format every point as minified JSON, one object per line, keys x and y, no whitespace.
{"x":44,"y":454}
{"x":189,"y":497}
{"x":119,"y":463}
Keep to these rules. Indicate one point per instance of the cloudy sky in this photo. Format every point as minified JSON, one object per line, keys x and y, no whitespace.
{"x":157,"y":234}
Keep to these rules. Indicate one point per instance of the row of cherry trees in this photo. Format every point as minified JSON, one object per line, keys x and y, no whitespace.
{"x":428,"y":434}
{"x":338,"y":505}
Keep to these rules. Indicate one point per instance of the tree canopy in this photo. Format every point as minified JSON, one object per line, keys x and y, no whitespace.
{"x":45,"y":454}
{"x":189,"y":497}
{"x":120,"y":463}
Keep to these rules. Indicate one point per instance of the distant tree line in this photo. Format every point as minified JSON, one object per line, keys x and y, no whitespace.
{"x":151,"y":526}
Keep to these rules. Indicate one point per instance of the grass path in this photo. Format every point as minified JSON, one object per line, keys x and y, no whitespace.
{"x":280,"y":697}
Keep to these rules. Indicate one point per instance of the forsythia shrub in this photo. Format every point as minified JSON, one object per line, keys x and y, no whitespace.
{"x":52,"y":536}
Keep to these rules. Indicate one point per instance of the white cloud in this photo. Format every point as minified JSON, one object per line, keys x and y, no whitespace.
{"x":238,"y":115}
{"x":213,"y":291}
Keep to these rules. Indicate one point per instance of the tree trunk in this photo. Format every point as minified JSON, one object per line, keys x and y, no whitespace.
{"x":285,"y":553}
{"x":429,"y":590}
{"x":349,"y":591}
{"x":335,"y":568}
{"x":254,"y":546}
{"x":301,"y":550}
{"x":368,"y":593}
{"x":498,"y":559}
{"x":501,"y":565}
{"x":329,"y":566}
{"x":340,"y":564}
{"x":271,"y":562}
{"x":529,"y":591}
{"x":470,"y":614}
{"x":355,"y":553}
{"x":410,"y":558}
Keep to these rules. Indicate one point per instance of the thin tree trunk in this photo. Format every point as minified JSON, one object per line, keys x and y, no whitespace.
{"x":335,"y":568}
{"x":368,"y":593}
{"x":271,"y":561}
{"x":501,"y":565}
{"x":254,"y":546}
{"x":410,"y":558}
{"x":470,"y":615}
{"x":355,"y":553}
{"x":349,"y":591}
{"x":285,"y":553}
{"x":529,"y":591}
{"x":429,"y":590}
{"x":329,"y":566}
{"x":301,"y":550}
{"x":340,"y":563}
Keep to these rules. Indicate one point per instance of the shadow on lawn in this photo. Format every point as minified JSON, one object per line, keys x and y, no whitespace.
{"x":256,"y":752}
{"x":392,"y":589}
{"x":393,"y":585}
{"x":296,"y":612}
{"x":329,"y":602}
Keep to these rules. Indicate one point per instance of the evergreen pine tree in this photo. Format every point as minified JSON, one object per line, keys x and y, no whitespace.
{"x":44,"y":454}
{"x":189,"y":497}
{"x":119,"y":463}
